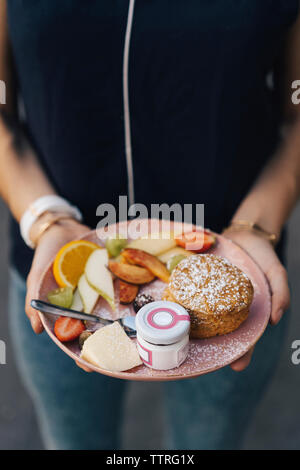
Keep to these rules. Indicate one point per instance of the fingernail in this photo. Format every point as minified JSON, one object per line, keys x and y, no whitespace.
{"x":280,"y":314}
{"x":34,"y":323}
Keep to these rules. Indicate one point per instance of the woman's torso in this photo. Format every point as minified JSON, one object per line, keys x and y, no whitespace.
{"x":203,"y":119}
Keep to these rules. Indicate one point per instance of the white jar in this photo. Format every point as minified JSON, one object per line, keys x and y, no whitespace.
{"x":162,"y":334}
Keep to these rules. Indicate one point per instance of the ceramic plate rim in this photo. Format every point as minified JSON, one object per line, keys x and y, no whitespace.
{"x":148,"y":378}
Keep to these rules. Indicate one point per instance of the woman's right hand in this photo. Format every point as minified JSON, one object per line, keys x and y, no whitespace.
{"x":50,"y":242}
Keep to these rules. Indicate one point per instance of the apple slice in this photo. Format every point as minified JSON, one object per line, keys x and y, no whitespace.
{"x":77,"y":302}
{"x":128,"y":292}
{"x":148,"y":261}
{"x":130,"y":273}
{"x":88,"y":295}
{"x":99,"y":277}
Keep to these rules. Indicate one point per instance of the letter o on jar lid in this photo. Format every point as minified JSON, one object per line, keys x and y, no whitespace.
{"x":162,"y":322}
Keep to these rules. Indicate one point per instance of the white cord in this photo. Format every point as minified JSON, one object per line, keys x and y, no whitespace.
{"x":128,"y":147}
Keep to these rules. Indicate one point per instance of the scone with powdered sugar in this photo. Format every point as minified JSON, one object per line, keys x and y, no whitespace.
{"x":216,"y":294}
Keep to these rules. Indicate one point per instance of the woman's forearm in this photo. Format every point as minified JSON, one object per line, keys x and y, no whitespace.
{"x":277,"y":189}
{"x":22,"y":179}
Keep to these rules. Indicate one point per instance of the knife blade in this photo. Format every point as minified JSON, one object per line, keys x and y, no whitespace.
{"x":128,"y":323}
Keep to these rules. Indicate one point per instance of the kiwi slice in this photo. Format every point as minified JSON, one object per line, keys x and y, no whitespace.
{"x":114,"y":246}
{"x":62,"y":297}
{"x":172,"y":263}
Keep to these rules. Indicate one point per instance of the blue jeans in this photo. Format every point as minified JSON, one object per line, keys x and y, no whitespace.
{"x":77,"y":410}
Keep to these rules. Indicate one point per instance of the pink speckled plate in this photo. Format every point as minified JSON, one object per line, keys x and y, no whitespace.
{"x":205,"y":355}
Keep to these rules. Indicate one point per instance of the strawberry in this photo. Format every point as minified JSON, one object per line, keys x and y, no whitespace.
{"x":199,"y":241}
{"x":68,"y":329}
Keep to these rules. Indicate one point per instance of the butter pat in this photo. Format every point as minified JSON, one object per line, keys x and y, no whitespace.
{"x":110,"y":348}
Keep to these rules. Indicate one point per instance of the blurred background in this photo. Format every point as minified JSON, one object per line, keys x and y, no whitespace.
{"x":275,"y":425}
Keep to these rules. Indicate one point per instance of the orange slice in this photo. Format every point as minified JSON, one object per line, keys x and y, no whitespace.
{"x":70,"y":261}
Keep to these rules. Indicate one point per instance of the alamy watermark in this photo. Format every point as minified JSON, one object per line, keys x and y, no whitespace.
{"x":2,"y":92}
{"x":156,"y":221}
{"x":296,"y":94}
{"x":295,"y":357}
{"x":2,"y":352}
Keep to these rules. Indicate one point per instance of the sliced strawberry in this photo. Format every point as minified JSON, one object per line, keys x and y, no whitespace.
{"x":199,"y":241}
{"x":68,"y":329}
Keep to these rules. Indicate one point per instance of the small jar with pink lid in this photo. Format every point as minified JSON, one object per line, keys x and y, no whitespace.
{"x":163,"y":334}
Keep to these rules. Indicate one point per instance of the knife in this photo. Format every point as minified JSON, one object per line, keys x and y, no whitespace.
{"x":128,"y":323}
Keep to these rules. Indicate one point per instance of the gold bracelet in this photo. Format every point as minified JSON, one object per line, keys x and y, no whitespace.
{"x":52,"y":218}
{"x":240,"y":225}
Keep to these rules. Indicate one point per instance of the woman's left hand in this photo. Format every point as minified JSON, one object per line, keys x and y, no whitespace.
{"x":263,"y":253}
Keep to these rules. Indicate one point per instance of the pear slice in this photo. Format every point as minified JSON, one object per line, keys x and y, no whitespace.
{"x":99,"y":277}
{"x":88,"y":295}
{"x":77,"y":302}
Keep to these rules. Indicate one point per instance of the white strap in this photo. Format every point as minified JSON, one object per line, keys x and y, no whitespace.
{"x":51,"y":203}
{"x":128,"y":147}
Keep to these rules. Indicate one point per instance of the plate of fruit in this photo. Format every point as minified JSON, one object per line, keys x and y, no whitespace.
{"x":116,"y":274}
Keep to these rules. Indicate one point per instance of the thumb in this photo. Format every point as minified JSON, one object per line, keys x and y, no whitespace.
{"x":277,"y":277}
{"x":243,"y":362}
{"x":32,"y":314}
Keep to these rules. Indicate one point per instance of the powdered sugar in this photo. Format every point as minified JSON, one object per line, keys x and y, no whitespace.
{"x":202,"y":353}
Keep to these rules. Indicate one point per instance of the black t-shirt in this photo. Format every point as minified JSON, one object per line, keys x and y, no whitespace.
{"x":203,"y":118}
